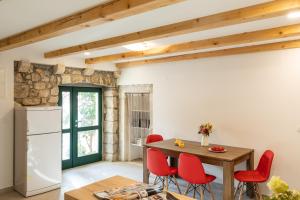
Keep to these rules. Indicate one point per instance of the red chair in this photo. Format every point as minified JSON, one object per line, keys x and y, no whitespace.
{"x":190,"y":169}
{"x":157,"y":164}
{"x":154,"y":138}
{"x":260,"y":175}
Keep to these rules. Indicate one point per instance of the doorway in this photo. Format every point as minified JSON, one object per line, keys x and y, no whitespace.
{"x":81,"y":125}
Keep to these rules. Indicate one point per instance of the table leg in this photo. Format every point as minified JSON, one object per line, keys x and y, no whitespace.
{"x":145,"y":169}
{"x":228,"y":180}
{"x":250,"y":166}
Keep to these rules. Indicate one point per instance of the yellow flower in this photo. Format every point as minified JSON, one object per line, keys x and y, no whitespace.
{"x":277,"y":185}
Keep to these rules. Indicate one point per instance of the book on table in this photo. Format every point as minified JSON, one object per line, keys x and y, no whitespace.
{"x":135,"y":192}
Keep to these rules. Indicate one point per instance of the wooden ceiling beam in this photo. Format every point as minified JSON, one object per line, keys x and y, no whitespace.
{"x":236,"y":39}
{"x":112,"y":10}
{"x":251,"y":13}
{"x":224,"y":52}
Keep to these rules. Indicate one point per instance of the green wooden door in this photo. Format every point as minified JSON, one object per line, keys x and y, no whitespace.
{"x":82,"y":125}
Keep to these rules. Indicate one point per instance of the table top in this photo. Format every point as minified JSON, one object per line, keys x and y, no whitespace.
{"x":87,"y":192}
{"x":232,"y":153}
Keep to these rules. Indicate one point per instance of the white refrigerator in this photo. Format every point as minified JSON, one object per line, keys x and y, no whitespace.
{"x":37,"y":155}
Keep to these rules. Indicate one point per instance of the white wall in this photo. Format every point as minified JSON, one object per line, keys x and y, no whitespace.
{"x":253,"y":100}
{"x":7,"y":104}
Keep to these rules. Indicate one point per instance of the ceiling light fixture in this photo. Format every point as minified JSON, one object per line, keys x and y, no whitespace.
{"x":294,"y":15}
{"x":142,"y":46}
{"x":87,"y":53}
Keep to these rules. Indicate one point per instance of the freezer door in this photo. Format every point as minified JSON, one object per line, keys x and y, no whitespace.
{"x":43,"y":121}
{"x":43,"y":161}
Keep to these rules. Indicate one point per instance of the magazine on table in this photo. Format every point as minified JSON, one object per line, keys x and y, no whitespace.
{"x":137,"y":191}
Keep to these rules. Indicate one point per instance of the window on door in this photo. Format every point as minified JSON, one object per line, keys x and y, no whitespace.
{"x":82,"y":125}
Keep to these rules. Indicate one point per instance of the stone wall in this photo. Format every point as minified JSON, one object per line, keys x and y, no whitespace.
{"x":37,"y":84}
{"x":111,"y":124}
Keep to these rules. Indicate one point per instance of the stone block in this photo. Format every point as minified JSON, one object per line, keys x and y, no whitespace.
{"x":117,"y":74}
{"x":28,"y":77}
{"x":35,"y":77}
{"x":39,"y":85}
{"x":33,"y":93}
{"x":55,"y":91}
{"x":110,"y":138}
{"x":76,"y":71}
{"x":110,"y":157}
{"x":110,"y":102}
{"x":111,"y":92}
{"x":89,"y":71}
{"x":110,"y":148}
{"x":95,"y":79}
{"x":45,"y":79}
{"x":24,"y":66}
{"x":110,"y":127}
{"x":41,"y":72}
{"x":53,"y":99}
{"x":58,"y":80}
{"x":21,"y":91}
{"x":44,"y":93}
{"x":53,"y":79}
{"x":31,"y":101}
{"x":76,"y":78}
{"x":48,"y":85}
{"x":111,"y":114}
{"x":19,"y":78}
{"x":44,"y":101}
{"x":65,"y":79}
{"x":59,"y":69}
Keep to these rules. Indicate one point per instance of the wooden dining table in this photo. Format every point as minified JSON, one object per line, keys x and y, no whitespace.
{"x":227,"y":160}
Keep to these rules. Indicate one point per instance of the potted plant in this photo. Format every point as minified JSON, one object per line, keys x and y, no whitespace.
{"x":205,"y":130}
{"x":280,"y":190}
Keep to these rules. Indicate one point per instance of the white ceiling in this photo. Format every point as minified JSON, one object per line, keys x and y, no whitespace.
{"x":20,"y":15}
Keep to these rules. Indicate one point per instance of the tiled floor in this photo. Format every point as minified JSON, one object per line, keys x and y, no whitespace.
{"x":81,"y":176}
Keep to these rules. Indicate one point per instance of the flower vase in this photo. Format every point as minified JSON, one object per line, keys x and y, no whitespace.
{"x":204,"y":140}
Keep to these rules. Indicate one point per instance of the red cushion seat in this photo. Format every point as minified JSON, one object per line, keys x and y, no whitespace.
{"x":261,"y":173}
{"x":249,"y":176}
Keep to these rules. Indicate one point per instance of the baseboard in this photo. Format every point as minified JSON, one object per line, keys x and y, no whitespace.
{"x":6,"y":190}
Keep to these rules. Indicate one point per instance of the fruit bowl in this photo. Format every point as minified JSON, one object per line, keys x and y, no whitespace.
{"x":217,"y":149}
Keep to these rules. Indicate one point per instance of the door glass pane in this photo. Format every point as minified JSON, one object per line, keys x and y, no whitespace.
{"x":88,"y":111}
{"x":66,"y":146}
{"x":66,"y":100}
{"x":88,"y":142}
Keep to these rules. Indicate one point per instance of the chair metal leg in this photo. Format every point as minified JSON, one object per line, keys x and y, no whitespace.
{"x":211,"y":192}
{"x":237,"y":189}
{"x":194,"y":195}
{"x":201,"y":193}
{"x":155,"y":180}
{"x":167,"y":182}
{"x":176,"y":183}
{"x":187,"y":189}
{"x":257,"y":192}
{"x":241,"y":192}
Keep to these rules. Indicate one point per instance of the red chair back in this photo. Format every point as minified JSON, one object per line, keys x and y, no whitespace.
{"x":157,"y":162}
{"x":154,"y":138}
{"x":190,"y":168}
{"x":265,"y":164}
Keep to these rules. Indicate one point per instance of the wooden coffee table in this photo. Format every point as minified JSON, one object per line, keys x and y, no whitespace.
{"x":87,"y":192}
